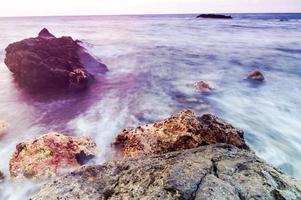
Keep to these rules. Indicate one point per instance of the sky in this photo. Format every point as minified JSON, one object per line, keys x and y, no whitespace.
{"x":111,"y":7}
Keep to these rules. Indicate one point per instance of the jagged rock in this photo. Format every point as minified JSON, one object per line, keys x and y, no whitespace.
{"x":183,"y":130}
{"x":50,"y":155}
{"x":214,"y":16}
{"x":49,"y":62}
{"x":4,"y":126}
{"x":213,"y":172}
{"x":202,"y":86}
{"x":256,"y":75}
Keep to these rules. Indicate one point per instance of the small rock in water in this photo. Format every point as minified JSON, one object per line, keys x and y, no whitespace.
{"x":183,"y":130}
{"x":4,"y":126}
{"x":203,"y":87}
{"x":2,"y":177}
{"x":214,"y":16}
{"x":256,"y":75}
{"x":49,"y":155}
{"x":48,"y":62}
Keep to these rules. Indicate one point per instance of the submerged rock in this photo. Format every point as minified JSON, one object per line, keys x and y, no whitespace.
{"x":214,"y":16}
{"x":183,"y":130}
{"x":256,"y":75}
{"x":202,"y":86}
{"x":213,"y":172}
{"x":49,"y":155}
{"x":49,"y":62}
{"x":4,"y":126}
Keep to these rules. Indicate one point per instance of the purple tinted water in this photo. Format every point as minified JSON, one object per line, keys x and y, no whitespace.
{"x":154,"y":62}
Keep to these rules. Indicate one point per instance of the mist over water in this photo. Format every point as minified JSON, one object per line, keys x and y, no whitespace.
{"x":153,"y":63}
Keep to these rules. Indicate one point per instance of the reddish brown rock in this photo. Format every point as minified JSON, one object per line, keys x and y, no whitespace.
{"x":49,"y":62}
{"x":256,"y":75}
{"x":183,"y":130}
{"x":50,"y":155}
{"x":202,"y":86}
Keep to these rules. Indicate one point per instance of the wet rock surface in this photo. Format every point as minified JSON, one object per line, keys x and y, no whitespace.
{"x":50,"y":155}
{"x":4,"y":127}
{"x":183,"y":130}
{"x":214,"y":16}
{"x":256,"y":75}
{"x":202,"y":86}
{"x":47,"y":62}
{"x":213,"y":172}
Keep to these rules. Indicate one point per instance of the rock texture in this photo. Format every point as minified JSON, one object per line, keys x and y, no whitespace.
{"x":202,"y":86}
{"x":49,"y":62}
{"x":183,"y":130}
{"x":4,"y":126}
{"x":49,"y":155}
{"x":214,"y":16}
{"x":213,"y":172}
{"x":256,"y":75}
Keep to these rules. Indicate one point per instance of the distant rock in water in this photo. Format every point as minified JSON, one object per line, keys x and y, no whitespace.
{"x":48,"y":62}
{"x":214,"y":16}
{"x":184,"y":130}
{"x":256,"y":75}
{"x":2,"y":177}
{"x":4,"y":126}
{"x":50,"y":155}
{"x":202,"y":86}
{"x":213,"y":172}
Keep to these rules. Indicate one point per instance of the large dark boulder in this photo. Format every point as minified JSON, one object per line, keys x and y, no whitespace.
{"x":50,"y":62}
{"x":213,"y":172}
{"x":214,"y":16}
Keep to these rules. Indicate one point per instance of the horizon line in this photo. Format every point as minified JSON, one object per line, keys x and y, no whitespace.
{"x":139,"y":14}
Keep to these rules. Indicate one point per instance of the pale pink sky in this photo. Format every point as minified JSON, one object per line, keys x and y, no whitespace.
{"x":104,"y":7}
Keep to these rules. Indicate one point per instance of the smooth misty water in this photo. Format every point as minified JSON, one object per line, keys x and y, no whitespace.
{"x":154,"y":62}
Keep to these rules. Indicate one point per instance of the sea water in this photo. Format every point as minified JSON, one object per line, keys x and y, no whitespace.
{"x":154,"y":61}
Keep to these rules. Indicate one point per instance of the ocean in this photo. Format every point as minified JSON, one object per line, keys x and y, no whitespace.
{"x":153,"y":62}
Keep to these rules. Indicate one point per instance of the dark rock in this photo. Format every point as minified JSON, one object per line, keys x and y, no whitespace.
{"x":49,"y":62}
{"x":2,"y":177}
{"x":183,"y":130}
{"x":45,"y":33}
{"x":213,"y":172}
{"x":214,"y":16}
{"x":256,"y":75}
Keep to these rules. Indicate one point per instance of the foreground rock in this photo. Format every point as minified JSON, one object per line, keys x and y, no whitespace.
{"x":49,"y":155}
{"x":256,"y":75}
{"x":204,"y":87}
{"x":49,"y":62}
{"x":4,"y":126}
{"x":214,"y":172}
{"x":214,"y":16}
{"x":183,"y":130}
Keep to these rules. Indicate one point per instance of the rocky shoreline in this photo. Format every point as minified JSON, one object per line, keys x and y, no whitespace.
{"x":184,"y":156}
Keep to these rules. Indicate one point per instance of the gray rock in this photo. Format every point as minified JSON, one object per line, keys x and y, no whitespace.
{"x":210,"y":172}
